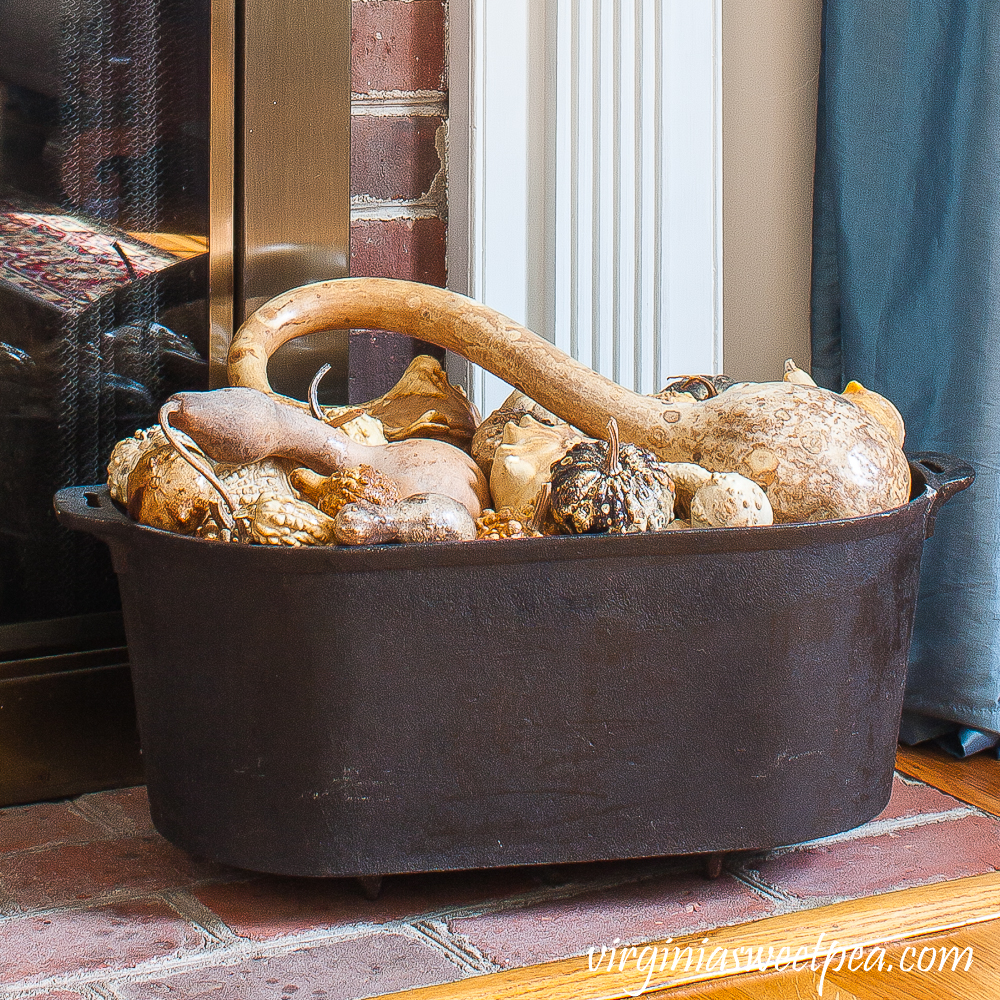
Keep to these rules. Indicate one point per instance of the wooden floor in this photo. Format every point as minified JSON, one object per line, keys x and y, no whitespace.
{"x":178,"y":244}
{"x":933,"y":968}
{"x":976,"y":780}
{"x":935,"y":942}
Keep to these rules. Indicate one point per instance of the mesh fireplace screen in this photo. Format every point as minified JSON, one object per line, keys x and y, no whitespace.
{"x":103,"y":211}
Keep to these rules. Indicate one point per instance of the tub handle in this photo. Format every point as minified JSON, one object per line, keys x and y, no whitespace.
{"x":90,"y":509}
{"x":945,"y":476}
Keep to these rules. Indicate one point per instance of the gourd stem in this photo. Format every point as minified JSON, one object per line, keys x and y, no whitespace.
{"x":344,"y":418}
{"x":541,"y":508}
{"x":317,"y":410}
{"x":314,"y":406}
{"x":706,"y":382}
{"x":170,"y":433}
{"x":611,"y":464}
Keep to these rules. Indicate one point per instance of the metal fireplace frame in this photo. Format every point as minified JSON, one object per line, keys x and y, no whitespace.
{"x":279,"y":215}
{"x":280,"y":197}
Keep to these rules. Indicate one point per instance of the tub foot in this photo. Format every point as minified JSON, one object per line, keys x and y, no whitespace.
{"x":713,"y":865}
{"x":370,"y":886}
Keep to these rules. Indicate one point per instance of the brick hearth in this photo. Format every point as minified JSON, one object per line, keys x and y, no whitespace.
{"x":95,"y":904}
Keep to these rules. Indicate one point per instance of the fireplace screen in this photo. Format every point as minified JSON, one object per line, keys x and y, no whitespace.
{"x":103,"y":300}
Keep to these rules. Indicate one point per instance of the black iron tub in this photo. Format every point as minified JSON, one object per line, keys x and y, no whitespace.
{"x":388,"y":709}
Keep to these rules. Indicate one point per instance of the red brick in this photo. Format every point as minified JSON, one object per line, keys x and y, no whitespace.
{"x":659,"y":908}
{"x":867,"y":866}
{"x":73,"y":872}
{"x":110,"y":937}
{"x":271,"y":907}
{"x":397,"y":45}
{"x":913,"y":800}
{"x":394,"y":157}
{"x":413,"y":249}
{"x":56,"y":995}
{"x":400,"y":248}
{"x":126,"y":809}
{"x":45,"y":823}
{"x":362,"y":967}
{"x":377,"y":361}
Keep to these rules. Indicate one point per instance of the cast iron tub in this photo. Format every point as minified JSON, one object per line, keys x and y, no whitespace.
{"x":360,"y":712}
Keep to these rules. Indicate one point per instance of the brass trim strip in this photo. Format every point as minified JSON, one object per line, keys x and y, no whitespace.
{"x":222,"y":179}
{"x":280,"y":169}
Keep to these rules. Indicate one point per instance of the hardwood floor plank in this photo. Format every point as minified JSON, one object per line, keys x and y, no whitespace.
{"x":178,"y":244}
{"x":781,"y":986}
{"x":878,"y":920}
{"x":943,"y":956}
{"x":975,"y":780}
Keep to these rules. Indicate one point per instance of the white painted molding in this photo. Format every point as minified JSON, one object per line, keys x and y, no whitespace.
{"x":585,"y":179}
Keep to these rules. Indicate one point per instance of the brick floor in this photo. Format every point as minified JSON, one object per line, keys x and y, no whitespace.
{"x":346,"y":970}
{"x":911,"y":798}
{"x":58,"y":995}
{"x":98,"y":904}
{"x":671,"y":905}
{"x":895,"y":860}
{"x":112,"y":937}
{"x":46,"y":823}
{"x":70,"y":872}
{"x":270,"y":907}
{"x":124,"y":809}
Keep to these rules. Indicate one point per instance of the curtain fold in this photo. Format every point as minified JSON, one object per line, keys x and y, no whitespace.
{"x":906,"y":293}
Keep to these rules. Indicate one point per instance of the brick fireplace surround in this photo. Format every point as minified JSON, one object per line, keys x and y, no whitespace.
{"x":398,"y":177}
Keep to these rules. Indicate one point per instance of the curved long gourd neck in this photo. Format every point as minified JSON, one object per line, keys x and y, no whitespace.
{"x":548,"y":375}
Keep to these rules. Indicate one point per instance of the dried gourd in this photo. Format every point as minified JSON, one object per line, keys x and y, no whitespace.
{"x":698,"y":387}
{"x":523,"y":462}
{"x":489,"y":434}
{"x":126,"y":455}
{"x":124,"y":458}
{"x":244,"y":425}
{"x":609,"y":487}
{"x":817,"y":454}
{"x":532,"y":520}
{"x":687,"y":478}
{"x":795,"y":375}
{"x":426,"y":517}
{"x":243,"y":486}
{"x":164,"y":491}
{"x":332,"y":493}
{"x":729,"y":500}
{"x":361,"y":427}
{"x":507,"y":522}
{"x":423,"y":403}
{"x":878,"y":407}
{"x":282,"y":520}
{"x":246,"y":484}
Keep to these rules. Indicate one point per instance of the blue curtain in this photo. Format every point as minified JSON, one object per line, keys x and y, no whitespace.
{"x":906,"y":295}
